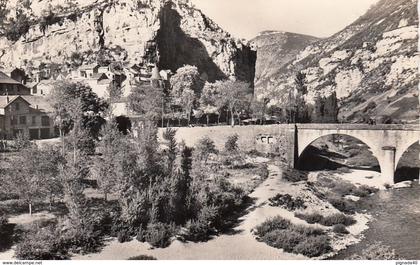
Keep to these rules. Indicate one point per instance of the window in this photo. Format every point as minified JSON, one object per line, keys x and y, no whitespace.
{"x":13,"y":120}
{"x":33,"y":120}
{"x":17,"y":106}
{"x":22,"y":119}
{"x":45,"y":121}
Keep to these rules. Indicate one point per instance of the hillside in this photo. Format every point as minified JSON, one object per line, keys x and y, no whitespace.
{"x":275,"y":51}
{"x":371,"y":65}
{"x":173,"y":33}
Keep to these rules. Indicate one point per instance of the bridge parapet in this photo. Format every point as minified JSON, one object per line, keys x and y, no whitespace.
{"x":358,"y":126}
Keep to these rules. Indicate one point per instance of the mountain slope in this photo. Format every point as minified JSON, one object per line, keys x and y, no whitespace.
{"x":371,"y":65}
{"x":275,"y":50}
{"x":128,"y":31}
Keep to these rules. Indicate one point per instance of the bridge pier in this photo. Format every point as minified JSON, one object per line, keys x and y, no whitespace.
{"x":388,"y":164}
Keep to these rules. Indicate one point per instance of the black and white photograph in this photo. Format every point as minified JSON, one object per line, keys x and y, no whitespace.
{"x":202,"y":130}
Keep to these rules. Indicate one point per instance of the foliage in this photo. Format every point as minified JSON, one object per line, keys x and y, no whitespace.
{"x":204,"y":148}
{"x":329,"y":220}
{"x":325,"y":109}
{"x":280,"y":233}
{"x":376,"y":251}
{"x":340,"y":229}
{"x":160,"y":234}
{"x":146,"y":101}
{"x":34,"y":175}
{"x":236,"y":96}
{"x":41,"y":244}
{"x":287,"y":202}
{"x":142,"y":257}
{"x":15,"y":28}
{"x":231,"y":144}
{"x":343,"y":205}
{"x":76,"y":102}
{"x":210,"y":100}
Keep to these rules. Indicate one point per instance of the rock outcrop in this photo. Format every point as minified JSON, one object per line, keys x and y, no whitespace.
{"x":173,"y":32}
{"x":372,"y":65}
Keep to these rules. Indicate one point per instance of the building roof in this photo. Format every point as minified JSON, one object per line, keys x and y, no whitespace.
{"x":5,"y":79}
{"x":6,"y":100}
{"x":38,"y":101}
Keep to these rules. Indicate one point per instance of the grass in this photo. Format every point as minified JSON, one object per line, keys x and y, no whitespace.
{"x":281,"y":233}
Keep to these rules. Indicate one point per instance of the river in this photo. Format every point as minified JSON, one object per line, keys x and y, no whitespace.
{"x":396,"y":223}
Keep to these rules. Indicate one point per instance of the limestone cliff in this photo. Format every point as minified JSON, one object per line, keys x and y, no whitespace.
{"x":127,"y":30}
{"x":372,"y":65}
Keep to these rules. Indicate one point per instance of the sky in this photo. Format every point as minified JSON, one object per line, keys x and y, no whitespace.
{"x":320,"y":18}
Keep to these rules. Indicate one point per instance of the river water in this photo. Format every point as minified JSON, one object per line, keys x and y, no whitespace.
{"x":396,"y":223}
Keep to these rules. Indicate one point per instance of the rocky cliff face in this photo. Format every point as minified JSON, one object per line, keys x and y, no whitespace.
{"x":372,"y":65}
{"x":125,"y":30}
{"x":276,"y":50}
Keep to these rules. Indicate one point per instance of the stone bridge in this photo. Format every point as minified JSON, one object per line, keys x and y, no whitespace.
{"x":386,"y":142}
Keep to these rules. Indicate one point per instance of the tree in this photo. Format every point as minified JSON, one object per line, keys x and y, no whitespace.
{"x":186,"y":88}
{"x":71,"y":100}
{"x":204,"y":148}
{"x":146,"y":101}
{"x":236,"y":96}
{"x":105,"y":166}
{"x":300,"y":82}
{"x":210,"y":100}
{"x":33,"y":175}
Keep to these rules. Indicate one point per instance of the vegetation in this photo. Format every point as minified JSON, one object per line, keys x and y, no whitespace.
{"x":280,"y":233}
{"x":377,"y":251}
{"x":329,"y":220}
{"x":287,"y":202}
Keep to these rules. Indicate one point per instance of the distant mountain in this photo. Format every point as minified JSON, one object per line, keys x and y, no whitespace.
{"x":372,"y":65}
{"x":275,"y":50}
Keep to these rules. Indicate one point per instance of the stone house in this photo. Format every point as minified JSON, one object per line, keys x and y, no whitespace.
{"x":9,"y":86}
{"x":27,"y":114}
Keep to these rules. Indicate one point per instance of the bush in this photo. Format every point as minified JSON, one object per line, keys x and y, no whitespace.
{"x":364,"y":191}
{"x":284,"y":239}
{"x":231,"y":145}
{"x":343,"y":188}
{"x":41,"y":244}
{"x":329,"y":220}
{"x":287,"y":202}
{"x":377,"y":251}
{"x":313,"y":246}
{"x":338,"y":218}
{"x":341,"y":204}
{"x":142,"y":257}
{"x":308,"y":231}
{"x":275,"y":223}
{"x":124,"y":236}
{"x":312,"y":218}
{"x":197,"y":231}
{"x":340,"y":229}
{"x":159,"y":234}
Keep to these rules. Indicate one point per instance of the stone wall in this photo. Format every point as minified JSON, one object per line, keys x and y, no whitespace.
{"x":277,"y":139}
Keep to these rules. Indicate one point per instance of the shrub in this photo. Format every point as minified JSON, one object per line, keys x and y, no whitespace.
{"x":341,"y":204}
{"x":262,"y":171}
{"x":287,"y":202}
{"x":329,"y":220}
{"x":284,"y":239}
{"x":124,"y":236}
{"x":275,"y":223}
{"x":364,"y":191}
{"x":377,"y":251}
{"x":142,"y":257}
{"x":310,"y":218}
{"x":340,"y":229}
{"x":41,"y":244}
{"x":337,"y":218}
{"x":343,"y":188}
{"x":159,"y":234}
{"x":313,"y":246}
{"x":81,"y":239}
{"x":308,"y":231}
{"x":231,"y":145}
{"x":197,"y":231}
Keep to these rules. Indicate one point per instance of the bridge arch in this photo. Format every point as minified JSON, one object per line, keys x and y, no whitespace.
{"x":403,"y":148}
{"x":302,"y":147}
